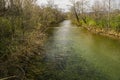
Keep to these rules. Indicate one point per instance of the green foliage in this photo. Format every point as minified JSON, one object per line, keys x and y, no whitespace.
{"x":115,"y":23}
{"x":102,"y":22}
{"x":5,"y":27}
{"x":90,"y":21}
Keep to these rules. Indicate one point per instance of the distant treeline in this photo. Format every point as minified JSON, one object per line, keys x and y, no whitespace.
{"x":22,"y":26}
{"x":99,"y":14}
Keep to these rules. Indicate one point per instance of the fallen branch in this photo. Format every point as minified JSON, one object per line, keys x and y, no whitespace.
{"x":8,"y":78}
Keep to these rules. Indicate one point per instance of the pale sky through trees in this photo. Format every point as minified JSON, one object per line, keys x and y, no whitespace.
{"x":64,"y":4}
{"x":61,"y":3}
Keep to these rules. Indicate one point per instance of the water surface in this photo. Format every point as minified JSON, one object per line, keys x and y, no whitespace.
{"x":77,"y":54}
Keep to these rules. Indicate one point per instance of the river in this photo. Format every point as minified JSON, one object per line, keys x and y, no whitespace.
{"x":77,"y":54}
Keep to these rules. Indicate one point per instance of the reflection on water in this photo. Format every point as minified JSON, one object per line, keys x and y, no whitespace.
{"x":76,"y":54}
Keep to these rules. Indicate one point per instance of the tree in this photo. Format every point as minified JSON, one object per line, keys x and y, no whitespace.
{"x":97,"y":8}
{"x":74,"y":10}
{"x":109,"y":10}
{"x":2,"y":7}
{"x":79,"y":9}
{"x":22,"y":27}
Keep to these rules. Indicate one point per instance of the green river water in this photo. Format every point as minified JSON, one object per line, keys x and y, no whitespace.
{"x":77,"y":54}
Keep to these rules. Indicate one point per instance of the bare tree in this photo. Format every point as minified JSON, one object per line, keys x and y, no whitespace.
{"x":2,"y":7}
{"x":109,"y":10}
{"x":74,"y":10}
{"x":50,"y":3}
{"x":97,"y":8}
{"x":108,"y":7}
{"x":80,"y":9}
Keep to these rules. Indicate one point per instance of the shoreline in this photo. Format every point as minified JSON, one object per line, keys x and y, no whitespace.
{"x":105,"y":32}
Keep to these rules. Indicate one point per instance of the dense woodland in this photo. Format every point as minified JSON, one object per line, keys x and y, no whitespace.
{"x":22,"y":33}
{"x":100,"y":14}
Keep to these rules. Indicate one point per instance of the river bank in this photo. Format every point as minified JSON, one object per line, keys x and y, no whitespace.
{"x":101,"y":31}
{"x":22,"y":37}
{"x":105,"y":32}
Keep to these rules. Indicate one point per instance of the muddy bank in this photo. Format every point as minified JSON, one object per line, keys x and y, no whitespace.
{"x":102,"y":31}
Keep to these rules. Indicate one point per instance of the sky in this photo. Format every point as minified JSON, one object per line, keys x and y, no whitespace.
{"x":63,"y":4}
